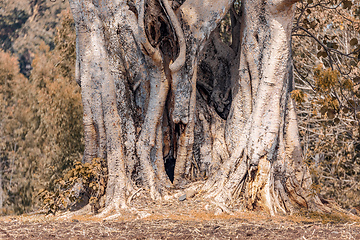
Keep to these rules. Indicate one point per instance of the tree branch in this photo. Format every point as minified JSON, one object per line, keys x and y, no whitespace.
{"x":180,"y":61}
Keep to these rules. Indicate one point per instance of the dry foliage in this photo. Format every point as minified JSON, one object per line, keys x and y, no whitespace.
{"x":25,"y":24}
{"x":326,"y":57}
{"x":41,"y":122}
{"x":87,"y":179}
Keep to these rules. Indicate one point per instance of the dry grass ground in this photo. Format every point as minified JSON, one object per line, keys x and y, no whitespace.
{"x":189,"y":219}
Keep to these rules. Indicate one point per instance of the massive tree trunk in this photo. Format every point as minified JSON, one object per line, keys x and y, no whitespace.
{"x":167,"y":102}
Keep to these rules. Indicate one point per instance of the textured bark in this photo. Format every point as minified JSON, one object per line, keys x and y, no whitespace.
{"x":265,"y":167}
{"x":166,"y":102}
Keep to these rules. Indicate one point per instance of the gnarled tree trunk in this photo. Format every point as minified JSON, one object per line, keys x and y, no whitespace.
{"x":167,"y":102}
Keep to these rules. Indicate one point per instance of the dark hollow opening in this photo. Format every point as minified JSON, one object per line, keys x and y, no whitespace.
{"x":170,"y":167}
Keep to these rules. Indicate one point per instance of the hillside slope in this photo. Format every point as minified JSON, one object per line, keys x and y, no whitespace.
{"x":24,"y":24}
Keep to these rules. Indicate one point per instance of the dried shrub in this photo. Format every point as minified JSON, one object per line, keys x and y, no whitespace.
{"x":84,"y":183}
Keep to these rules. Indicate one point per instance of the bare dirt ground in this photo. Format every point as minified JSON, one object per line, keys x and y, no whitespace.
{"x":188,"y":219}
{"x":176,"y":229}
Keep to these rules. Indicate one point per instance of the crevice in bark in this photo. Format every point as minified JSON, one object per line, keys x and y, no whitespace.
{"x":215,"y":69}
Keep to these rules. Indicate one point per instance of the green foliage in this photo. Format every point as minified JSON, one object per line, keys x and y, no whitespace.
{"x":88,"y":178}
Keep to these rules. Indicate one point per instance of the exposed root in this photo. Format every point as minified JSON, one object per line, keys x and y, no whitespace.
{"x":83,"y":211}
{"x":148,"y":170}
{"x":222,"y":207}
{"x":111,"y":208}
{"x":111,"y":217}
{"x":140,"y":214}
{"x":143,"y":214}
{"x":159,"y":87}
{"x":133,"y":195}
{"x":230,"y":177}
{"x":159,"y":159}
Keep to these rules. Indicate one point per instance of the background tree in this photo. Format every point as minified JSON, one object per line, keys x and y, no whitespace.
{"x":326,"y":57}
{"x":41,"y":129}
{"x":10,"y":79}
{"x":24,"y":24}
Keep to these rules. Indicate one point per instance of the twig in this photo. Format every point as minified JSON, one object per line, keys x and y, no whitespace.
{"x":132,"y":196}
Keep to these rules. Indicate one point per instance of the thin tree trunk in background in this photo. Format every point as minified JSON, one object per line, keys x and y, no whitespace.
{"x":1,"y":187}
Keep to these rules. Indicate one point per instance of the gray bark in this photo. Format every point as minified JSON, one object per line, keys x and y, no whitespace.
{"x":159,"y":87}
{"x":265,"y":165}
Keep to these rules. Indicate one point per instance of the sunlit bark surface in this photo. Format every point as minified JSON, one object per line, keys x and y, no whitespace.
{"x":167,"y":102}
